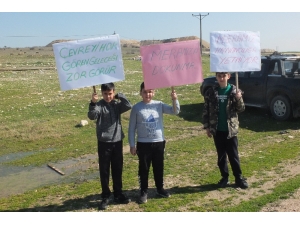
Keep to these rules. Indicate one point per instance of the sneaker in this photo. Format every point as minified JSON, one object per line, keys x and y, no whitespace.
{"x":223,"y":182}
{"x":163,"y":193}
{"x":122,"y":199}
{"x":241,"y":183}
{"x":104,"y":204}
{"x":143,"y":198}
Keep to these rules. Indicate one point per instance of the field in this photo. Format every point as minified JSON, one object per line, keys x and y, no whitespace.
{"x":40,"y":127}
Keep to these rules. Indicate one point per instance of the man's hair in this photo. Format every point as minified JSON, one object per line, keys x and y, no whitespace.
{"x":222,"y":73}
{"x":142,"y":86}
{"x":107,"y":87}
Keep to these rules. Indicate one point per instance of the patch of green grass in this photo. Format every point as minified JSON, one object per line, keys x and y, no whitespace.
{"x":38,"y":118}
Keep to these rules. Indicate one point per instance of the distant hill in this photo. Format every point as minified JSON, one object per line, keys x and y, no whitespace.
{"x":205,"y":44}
{"x":137,"y":44}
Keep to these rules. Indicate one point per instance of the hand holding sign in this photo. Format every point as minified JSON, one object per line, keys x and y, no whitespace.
{"x":173,"y":94}
{"x":95,"y":97}
{"x":174,"y":97}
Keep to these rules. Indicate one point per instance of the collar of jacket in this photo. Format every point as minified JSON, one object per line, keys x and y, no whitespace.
{"x":112,"y":102}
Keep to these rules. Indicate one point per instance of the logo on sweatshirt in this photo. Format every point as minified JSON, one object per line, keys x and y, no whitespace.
{"x":222,"y":98}
{"x":151,"y":125}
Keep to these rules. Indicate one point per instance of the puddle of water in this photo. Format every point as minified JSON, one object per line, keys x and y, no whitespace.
{"x":24,"y":179}
{"x":14,"y":156}
{"x":17,"y":180}
{"x":20,"y":155}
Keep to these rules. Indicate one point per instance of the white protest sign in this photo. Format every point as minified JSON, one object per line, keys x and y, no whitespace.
{"x":89,"y":62}
{"x":233,"y":51}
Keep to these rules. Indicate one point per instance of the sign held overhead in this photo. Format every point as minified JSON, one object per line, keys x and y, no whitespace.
{"x":171,"y":64}
{"x":89,"y":62}
{"x":233,"y":51}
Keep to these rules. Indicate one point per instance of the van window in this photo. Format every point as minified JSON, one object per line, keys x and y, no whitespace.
{"x":275,"y":70}
{"x":291,"y":68}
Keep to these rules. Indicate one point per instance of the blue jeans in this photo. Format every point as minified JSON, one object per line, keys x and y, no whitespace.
{"x":151,"y":153}
{"x":110,"y":155}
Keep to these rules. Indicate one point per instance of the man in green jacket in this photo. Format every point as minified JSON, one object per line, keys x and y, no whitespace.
{"x":222,"y":103}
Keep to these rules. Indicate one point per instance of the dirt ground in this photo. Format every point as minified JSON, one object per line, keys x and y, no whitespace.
{"x":287,"y":170}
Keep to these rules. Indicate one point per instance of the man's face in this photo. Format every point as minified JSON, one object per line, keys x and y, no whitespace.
{"x":222,"y":78}
{"x":108,"y":96}
{"x":147,"y":95}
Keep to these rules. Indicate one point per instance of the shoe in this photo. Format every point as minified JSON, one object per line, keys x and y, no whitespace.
{"x":143,"y":198}
{"x":122,"y":199}
{"x":241,"y":183}
{"x":223,"y":182}
{"x":163,"y":193}
{"x":104,"y":204}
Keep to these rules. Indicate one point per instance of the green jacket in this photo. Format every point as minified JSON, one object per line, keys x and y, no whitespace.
{"x":211,"y":108}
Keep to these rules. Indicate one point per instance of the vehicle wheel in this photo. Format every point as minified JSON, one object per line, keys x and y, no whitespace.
{"x":280,"y":108}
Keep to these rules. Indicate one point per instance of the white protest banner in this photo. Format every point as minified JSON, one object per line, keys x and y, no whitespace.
{"x":89,"y":62}
{"x":171,"y":64}
{"x":233,"y":51}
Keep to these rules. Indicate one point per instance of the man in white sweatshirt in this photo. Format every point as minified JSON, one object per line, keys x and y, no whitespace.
{"x":147,"y":131}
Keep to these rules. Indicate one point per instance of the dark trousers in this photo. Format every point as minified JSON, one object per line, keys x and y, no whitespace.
{"x":110,"y":155}
{"x":151,"y":153}
{"x":227,"y":147}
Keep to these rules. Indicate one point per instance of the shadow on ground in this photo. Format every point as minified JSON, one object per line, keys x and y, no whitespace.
{"x":91,"y":202}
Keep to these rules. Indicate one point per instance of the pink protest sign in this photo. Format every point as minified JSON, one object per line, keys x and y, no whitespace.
{"x":171,"y":64}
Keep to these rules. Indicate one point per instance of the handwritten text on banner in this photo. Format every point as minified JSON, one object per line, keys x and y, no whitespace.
{"x":171,"y":64}
{"x":89,"y":62}
{"x":233,"y":51}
